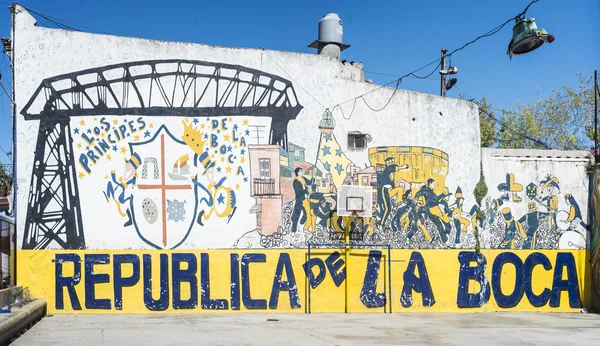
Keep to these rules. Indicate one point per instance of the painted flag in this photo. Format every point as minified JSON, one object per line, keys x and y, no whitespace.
{"x":333,"y":158}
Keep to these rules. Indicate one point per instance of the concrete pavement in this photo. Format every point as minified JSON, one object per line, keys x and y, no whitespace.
{"x":316,"y":329}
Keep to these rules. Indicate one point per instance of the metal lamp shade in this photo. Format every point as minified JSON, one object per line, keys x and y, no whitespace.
{"x":527,"y":37}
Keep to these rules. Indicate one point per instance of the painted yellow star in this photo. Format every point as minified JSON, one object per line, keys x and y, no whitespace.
{"x":95,"y":118}
{"x":245,"y":122}
{"x":123,"y":150}
{"x":78,"y":145}
{"x":136,"y":138}
{"x":226,"y":138}
{"x":230,"y":119}
{"x":235,"y":147}
{"x":102,"y":134}
{"x":106,"y":176}
{"x":222,"y":159}
{"x":151,"y":125}
{"x":82,"y":123}
{"x":108,"y":157}
{"x":228,"y":169}
{"x":237,"y":186}
{"x":81,"y":175}
{"x":201,"y":126}
{"x":116,"y":122}
{"x":243,"y":159}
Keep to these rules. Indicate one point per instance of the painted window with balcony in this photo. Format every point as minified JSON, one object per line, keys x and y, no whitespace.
{"x":264,"y":185}
{"x":265,"y":168}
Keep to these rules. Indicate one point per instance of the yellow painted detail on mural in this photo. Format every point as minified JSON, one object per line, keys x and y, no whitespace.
{"x":423,"y":163}
{"x":138,"y":281}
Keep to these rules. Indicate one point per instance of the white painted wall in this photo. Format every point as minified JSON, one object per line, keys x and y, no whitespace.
{"x":533,"y":166}
{"x":411,"y":119}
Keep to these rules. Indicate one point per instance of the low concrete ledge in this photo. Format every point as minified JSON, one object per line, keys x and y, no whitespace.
{"x":13,"y":323}
{"x":12,"y":292}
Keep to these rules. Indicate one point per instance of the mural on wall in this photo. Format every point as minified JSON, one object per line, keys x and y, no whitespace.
{"x":92,"y":109}
{"x":413,"y":206}
{"x":196,"y":177}
{"x":172,"y":144}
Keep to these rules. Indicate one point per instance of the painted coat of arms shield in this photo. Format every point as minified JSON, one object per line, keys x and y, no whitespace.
{"x":164,"y":205}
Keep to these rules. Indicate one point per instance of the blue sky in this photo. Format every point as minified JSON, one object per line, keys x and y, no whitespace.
{"x":392,"y":37}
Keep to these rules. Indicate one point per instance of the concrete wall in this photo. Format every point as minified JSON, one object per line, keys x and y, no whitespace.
{"x":411,"y":120}
{"x":149,"y":149}
{"x":546,"y":191}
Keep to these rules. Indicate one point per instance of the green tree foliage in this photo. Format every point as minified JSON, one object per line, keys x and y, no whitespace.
{"x":6,"y":180}
{"x":488,"y":131}
{"x":563,"y":120}
{"x":6,"y":177}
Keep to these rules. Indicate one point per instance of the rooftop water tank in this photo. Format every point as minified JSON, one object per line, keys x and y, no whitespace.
{"x":331,"y":36}
{"x":331,"y":29}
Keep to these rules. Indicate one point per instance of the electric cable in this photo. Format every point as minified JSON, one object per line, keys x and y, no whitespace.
{"x":300,"y":85}
{"x":487,"y":34}
{"x":503,"y":124}
{"x":61,"y":23}
{"x":4,"y":151}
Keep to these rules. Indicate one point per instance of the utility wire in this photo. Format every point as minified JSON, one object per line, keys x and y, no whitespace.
{"x":5,"y":153}
{"x":503,"y":124}
{"x":306,"y":91}
{"x":487,"y":34}
{"x":394,"y":75}
{"x":61,"y":23}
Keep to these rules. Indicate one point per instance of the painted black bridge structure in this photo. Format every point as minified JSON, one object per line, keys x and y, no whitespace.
{"x":181,"y":88}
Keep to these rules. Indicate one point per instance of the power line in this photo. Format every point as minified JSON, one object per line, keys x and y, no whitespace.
{"x":61,"y":23}
{"x":487,"y":34}
{"x":395,"y":75}
{"x":300,"y":85}
{"x":503,"y":124}
{"x":4,"y":151}
{"x":397,"y":81}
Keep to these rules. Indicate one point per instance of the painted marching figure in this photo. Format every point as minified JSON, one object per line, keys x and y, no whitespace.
{"x":301,"y":204}
{"x":460,"y":222}
{"x":229,"y":199}
{"x":117,"y":188}
{"x":575,"y":217}
{"x":512,"y":228}
{"x":386,"y":189}
{"x":431,"y":208}
{"x":206,"y":167}
{"x":443,"y":199}
{"x":550,"y":188}
{"x":488,"y":214}
{"x":532,"y":219}
{"x":324,"y":212}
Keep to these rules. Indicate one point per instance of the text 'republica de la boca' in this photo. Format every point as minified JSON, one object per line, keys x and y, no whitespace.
{"x":193,"y":271}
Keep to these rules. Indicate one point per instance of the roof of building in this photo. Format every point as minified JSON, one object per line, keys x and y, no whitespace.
{"x":292,"y":146}
{"x":368,"y":170}
{"x":537,"y":153}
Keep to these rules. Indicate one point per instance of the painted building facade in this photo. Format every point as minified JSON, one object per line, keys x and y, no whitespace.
{"x":134,"y":156}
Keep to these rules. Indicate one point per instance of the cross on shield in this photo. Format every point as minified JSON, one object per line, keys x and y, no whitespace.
{"x":164,"y":207}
